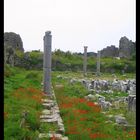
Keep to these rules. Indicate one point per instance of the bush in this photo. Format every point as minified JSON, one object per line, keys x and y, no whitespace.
{"x":32,"y":75}
{"x":8,"y":71}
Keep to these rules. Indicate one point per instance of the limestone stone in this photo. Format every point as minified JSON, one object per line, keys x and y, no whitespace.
{"x":120,"y":120}
{"x":90,"y":97}
{"x":132,"y":102}
{"x":43,"y":135}
{"x":105,"y":105}
{"x":54,"y":120}
{"x":46,"y":112}
{"x":85,"y":60}
{"x":126,"y":47}
{"x":55,"y":136}
{"x":98,"y":63}
{"x":110,"y":51}
{"x":48,"y":105}
{"x":47,"y":62}
{"x":65,"y":138}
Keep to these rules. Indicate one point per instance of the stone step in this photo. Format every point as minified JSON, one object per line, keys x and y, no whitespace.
{"x":52,"y":135}
{"x":48,"y":120}
{"x":48,"y":105}
{"x":46,"y":112}
{"x":47,"y":101}
{"x":46,"y":116}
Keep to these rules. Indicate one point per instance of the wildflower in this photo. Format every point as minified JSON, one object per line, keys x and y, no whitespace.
{"x":91,"y":104}
{"x":82,"y":111}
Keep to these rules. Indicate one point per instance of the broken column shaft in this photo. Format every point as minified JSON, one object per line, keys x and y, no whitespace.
{"x":85,"y":60}
{"x":47,"y":63}
{"x":98,"y":63}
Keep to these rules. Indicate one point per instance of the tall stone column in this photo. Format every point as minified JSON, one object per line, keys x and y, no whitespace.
{"x":85,"y":60}
{"x":98,"y":63}
{"x":47,"y":63}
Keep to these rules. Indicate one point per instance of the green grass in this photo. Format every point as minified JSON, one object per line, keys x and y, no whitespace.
{"x":21,"y":94}
{"x":82,"y":119}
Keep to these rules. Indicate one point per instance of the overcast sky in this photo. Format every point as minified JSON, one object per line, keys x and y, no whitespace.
{"x":73,"y":23}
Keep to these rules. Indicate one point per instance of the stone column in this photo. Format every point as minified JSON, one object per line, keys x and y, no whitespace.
{"x":98,"y":63}
{"x":85,"y":60}
{"x":47,"y":63}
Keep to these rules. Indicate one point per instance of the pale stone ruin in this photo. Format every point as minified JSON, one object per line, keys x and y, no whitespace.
{"x":98,"y":63}
{"x":50,"y":113}
{"x":47,"y":63}
{"x":85,"y":61}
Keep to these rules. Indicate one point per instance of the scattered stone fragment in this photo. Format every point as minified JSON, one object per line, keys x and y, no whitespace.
{"x":43,"y":135}
{"x":120,"y":120}
{"x":64,"y":138}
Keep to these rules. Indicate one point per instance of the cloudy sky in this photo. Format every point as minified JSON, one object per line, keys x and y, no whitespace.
{"x":73,"y":23}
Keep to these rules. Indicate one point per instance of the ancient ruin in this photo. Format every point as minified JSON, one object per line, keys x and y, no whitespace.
{"x":85,"y":60}
{"x":47,"y":63}
{"x":98,"y":63}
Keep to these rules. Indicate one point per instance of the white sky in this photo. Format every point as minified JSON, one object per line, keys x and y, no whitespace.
{"x":73,"y":23}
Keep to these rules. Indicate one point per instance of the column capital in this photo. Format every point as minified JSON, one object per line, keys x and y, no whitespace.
{"x":85,"y":47}
{"x":48,"y":33}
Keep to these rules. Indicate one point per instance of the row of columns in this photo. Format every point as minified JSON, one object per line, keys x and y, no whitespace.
{"x":47,"y":62}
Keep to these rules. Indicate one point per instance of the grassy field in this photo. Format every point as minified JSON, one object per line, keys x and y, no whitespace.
{"x":83,"y":120}
{"x":22,"y":101}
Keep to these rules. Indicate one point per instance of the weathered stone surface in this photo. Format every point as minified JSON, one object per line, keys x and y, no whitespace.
{"x":90,"y":97}
{"x":120,"y":120}
{"x":49,"y":120}
{"x":43,"y":135}
{"x":14,"y":40}
{"x":85,"y":61}
{"x":110,"y":51}
{"x":98,"y":62}
{"x":55,"y":136}
{"x":132,"y":102}
{"x":65,"y":138}
{"x":46,"y":112}
{"x":47,"y":63}
{"x":105,"y":105}
{"x":126,"y":47}
{"x":48,"y":105}
{"x":48,"y":101}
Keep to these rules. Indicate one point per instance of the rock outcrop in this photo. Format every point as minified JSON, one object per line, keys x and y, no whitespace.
{"x":110,"y":51}
{"x":126,"y":47}
{"x":14,"y":40}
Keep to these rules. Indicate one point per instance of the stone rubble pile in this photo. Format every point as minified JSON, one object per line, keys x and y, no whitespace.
{"x":108,"y":86}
